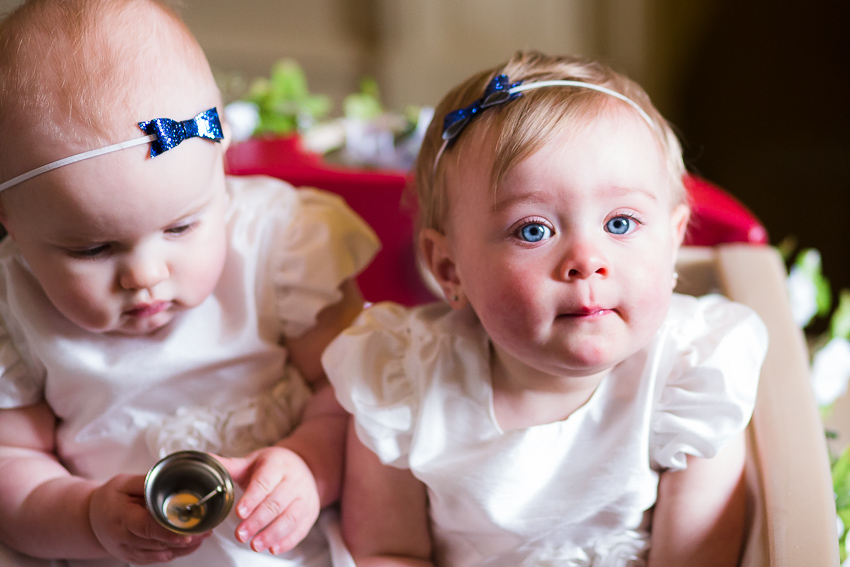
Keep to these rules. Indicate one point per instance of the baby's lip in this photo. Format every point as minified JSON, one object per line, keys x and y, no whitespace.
{"x":587,"y":311}
{"x":147,"y":309}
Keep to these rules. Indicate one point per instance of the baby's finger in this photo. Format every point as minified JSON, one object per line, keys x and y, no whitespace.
{"x":146,"y":532}
{"x":265,"y":512}
{"x":144,"y":555}
{"x":132,"y":485}
{"x":265,"y":482}
{"x":139,"y":550}
{"x":287,"y":530}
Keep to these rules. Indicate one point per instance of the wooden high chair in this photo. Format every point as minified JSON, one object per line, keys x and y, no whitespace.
{"x":792,"y":508}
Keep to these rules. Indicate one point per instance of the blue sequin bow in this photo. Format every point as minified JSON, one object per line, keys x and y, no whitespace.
{"x":170,"y":132}
{"x":497,"y":92}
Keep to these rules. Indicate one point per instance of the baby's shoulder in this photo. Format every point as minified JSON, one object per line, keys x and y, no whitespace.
{"x":710,"y":317}
{"x":399,"y":369}
{"x":259,"y":195}
{"x":265,"y":205}
{"x":416,"y":345}
{"x":706,"y":369}
{"x":436,"y":325}
{"x":301,"y":243}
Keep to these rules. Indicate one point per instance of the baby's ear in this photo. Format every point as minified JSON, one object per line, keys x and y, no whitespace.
{"x":439,"y":260}
{"x":681,"y":216}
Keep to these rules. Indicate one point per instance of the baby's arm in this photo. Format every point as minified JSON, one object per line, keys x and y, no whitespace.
{"x":384,"y":512}
{"x":287,"y":485}
{"x":699,"y":518}
{"x":49,"y":513}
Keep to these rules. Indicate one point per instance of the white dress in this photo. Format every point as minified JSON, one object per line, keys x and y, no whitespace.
{"x":216,"y":379}
{"x":574,"y":492}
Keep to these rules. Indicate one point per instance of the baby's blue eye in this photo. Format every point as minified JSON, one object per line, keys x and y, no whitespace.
{"x":620,"y":225}
{"x":535,"y":232}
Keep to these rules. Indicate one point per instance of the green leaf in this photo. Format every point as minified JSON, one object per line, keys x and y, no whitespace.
{"x":284,"y":101}
{"x":288,"y":80}
{"x":369,"y":87}
{"x":841,"y":483}
{"x":365,"y":105}
{"x":839,"y":325}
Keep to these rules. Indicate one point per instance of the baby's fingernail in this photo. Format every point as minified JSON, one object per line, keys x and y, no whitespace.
{"x":242,"y":535}
{"x":259,"y":546}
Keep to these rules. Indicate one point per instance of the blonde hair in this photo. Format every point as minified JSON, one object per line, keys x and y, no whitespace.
{"x":528,"y":122}
{"x":84,"y":72}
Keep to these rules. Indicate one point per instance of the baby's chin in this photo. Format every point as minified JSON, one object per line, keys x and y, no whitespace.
{"x":131,"y":326}
{"x":141,"y":328}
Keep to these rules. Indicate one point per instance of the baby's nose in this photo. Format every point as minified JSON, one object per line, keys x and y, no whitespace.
{"x":583,"y":260}
{"x":143,"y":272}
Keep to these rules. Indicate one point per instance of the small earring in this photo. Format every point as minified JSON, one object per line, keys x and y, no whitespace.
{"x":454,"y":297}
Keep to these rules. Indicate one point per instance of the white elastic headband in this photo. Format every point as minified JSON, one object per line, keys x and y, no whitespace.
{"x":498,"y":92}
{"x":75,"y":158}
{"x":162,"y":133}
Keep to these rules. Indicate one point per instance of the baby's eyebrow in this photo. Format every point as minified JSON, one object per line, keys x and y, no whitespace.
{"x":532,"y":196}
{"x":618,"y":191}
{"x":195,"y":210}
{"x":189,"y":215}
{"x":522,"y":196}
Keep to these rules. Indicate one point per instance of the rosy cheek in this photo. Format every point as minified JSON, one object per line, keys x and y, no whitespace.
{"x":80,"y":303}
{"x":203,"y":272}
{"x":511,"y":304}
{"x":652,"y":306}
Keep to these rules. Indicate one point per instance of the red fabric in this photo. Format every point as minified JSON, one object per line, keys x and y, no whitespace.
{"x":377,"y":196}
{"x":717,"y":217}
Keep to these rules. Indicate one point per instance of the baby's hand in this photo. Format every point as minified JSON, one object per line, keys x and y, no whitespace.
{"x":126,"y":529}
{"x":281,"y":501}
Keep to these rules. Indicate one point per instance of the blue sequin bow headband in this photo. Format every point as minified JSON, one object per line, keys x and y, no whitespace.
{"x":500,"y":90}
{"x":163,"y":134}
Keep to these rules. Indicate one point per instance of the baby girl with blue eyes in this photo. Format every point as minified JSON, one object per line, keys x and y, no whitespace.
{"x":563,"y":406}
{"x":149,"y":303}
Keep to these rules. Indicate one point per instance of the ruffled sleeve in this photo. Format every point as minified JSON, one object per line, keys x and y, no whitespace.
{"x":708,"y":398}
{"x":324,"y":244}
{"x":17,"y":387}
{"x":366,"y":365}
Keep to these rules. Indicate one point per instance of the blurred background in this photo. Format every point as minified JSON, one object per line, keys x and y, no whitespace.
{"x":758,"y":90}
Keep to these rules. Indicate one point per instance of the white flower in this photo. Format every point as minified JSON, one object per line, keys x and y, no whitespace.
{"x":625,"y":549}
{"x":831,"y":371}
{"x":549,"y":556}
{"x":190,"y":428}
{"x":234,"y":431}
{"x":243,"y":118}
{"x":802,"y":294}
{"x":325,"y":137}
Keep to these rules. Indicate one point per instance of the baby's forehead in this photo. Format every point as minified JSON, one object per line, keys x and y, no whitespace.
{"x":91,"y":83}
{"x":115,"y":63}
{"x":496,"y":158}
{"x":514,"y":137}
